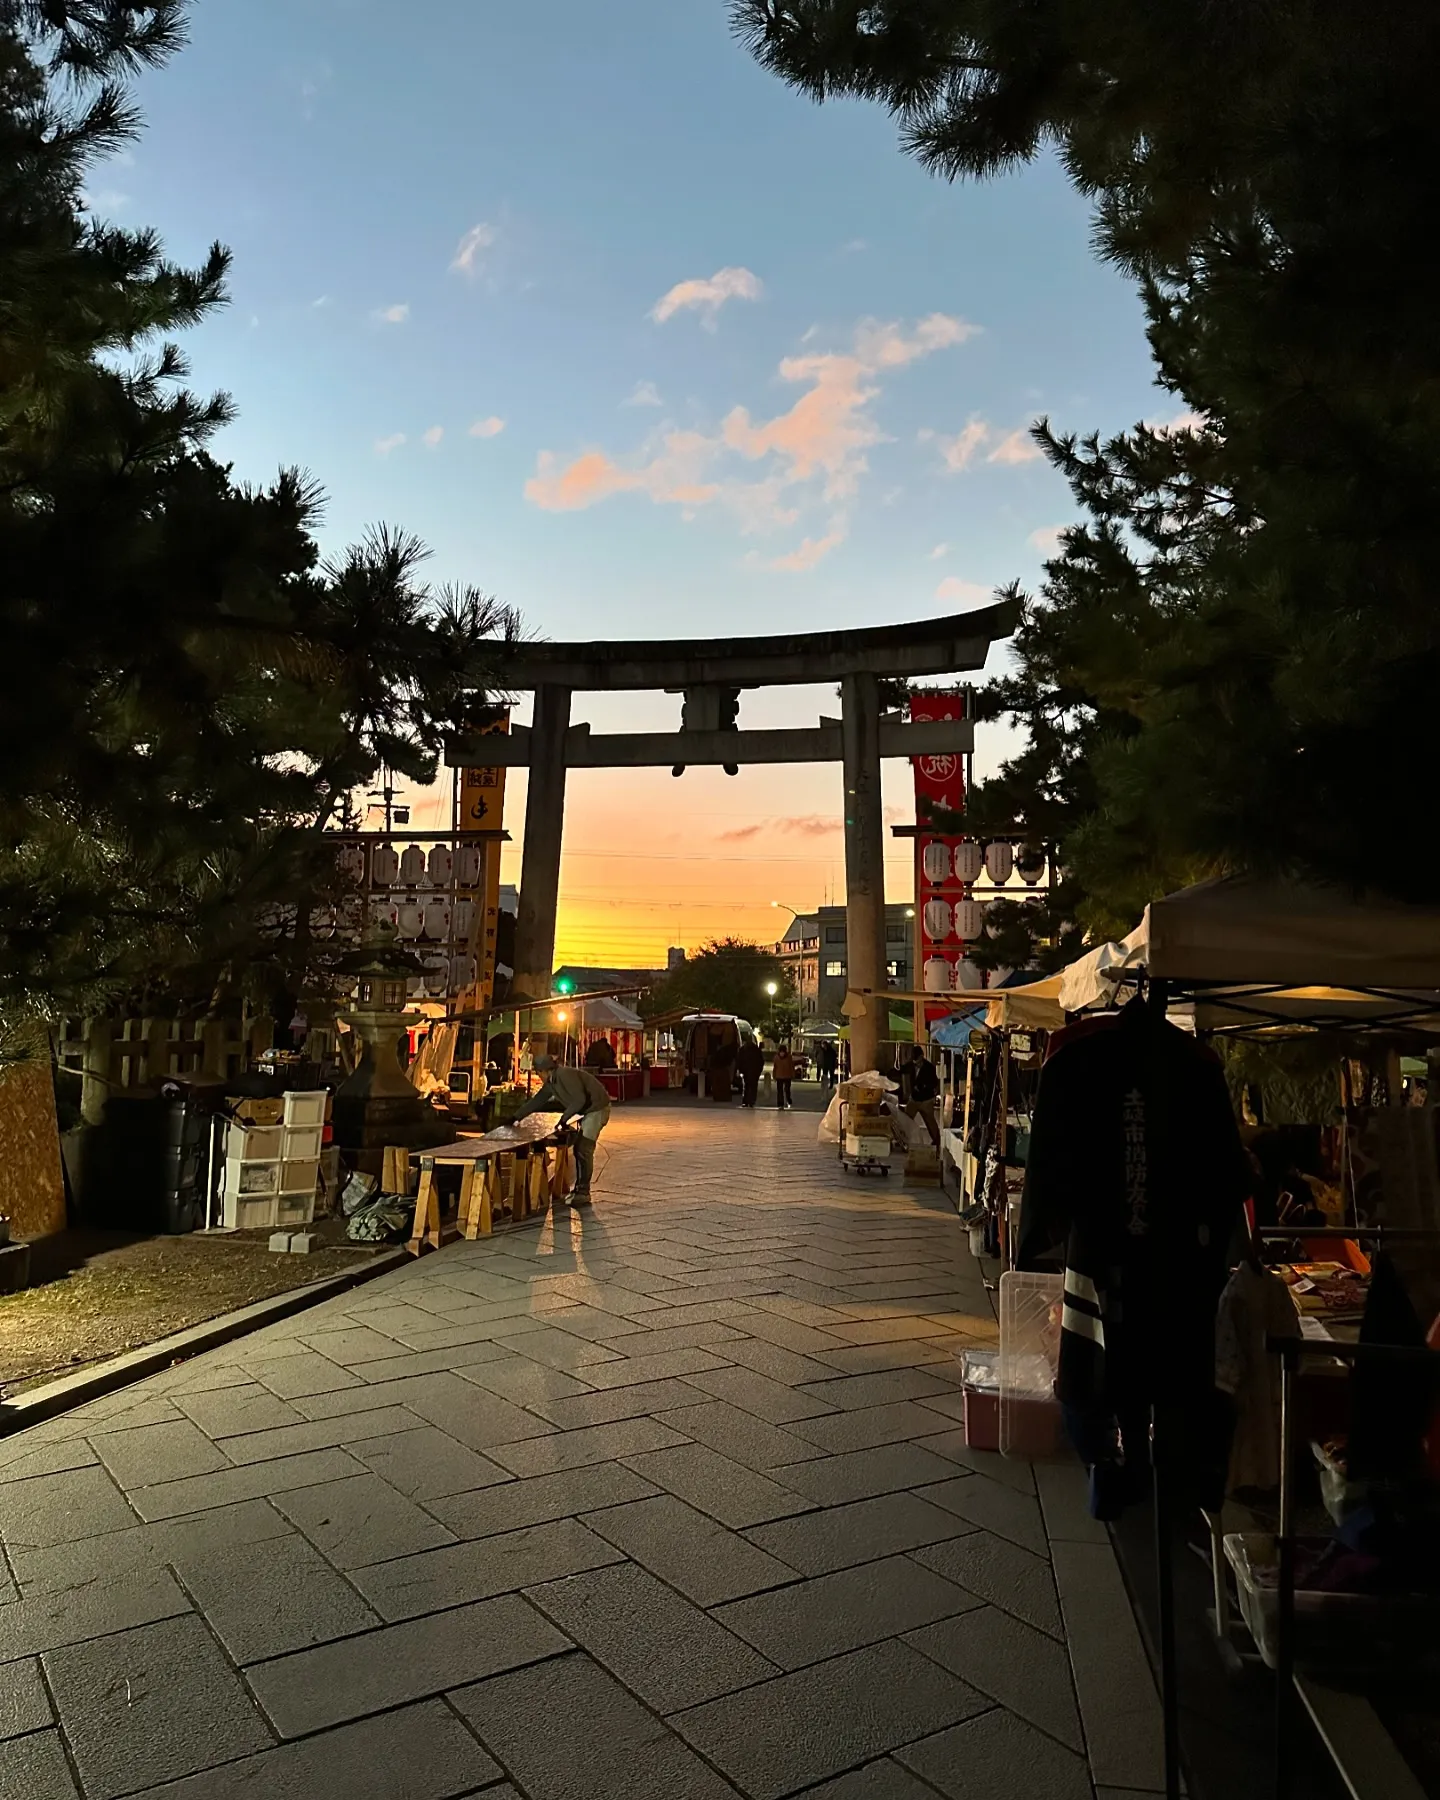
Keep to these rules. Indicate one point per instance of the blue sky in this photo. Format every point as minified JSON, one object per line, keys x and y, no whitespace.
{"x":817,"y":427}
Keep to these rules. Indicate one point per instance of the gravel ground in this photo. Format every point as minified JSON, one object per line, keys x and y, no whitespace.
{"x":96,"y":1295}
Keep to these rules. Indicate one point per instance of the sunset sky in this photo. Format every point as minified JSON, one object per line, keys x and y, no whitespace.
{"x":645,"y":344}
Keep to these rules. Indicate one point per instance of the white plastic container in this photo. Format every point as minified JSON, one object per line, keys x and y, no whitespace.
{"x":303,"y":1142}
{"x":306,"y":1108}
{"x":1030,"y":1422}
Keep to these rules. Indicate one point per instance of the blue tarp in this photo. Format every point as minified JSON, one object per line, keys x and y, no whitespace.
{"x":954,"y":1033}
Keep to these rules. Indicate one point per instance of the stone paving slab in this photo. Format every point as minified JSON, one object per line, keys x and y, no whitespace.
{"x":669,"y":1499}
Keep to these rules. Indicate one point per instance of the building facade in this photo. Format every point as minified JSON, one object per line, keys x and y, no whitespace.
{"x":814,"y":949}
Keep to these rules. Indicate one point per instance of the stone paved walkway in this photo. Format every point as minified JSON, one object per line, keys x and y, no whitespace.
{"x":670,"y":1502}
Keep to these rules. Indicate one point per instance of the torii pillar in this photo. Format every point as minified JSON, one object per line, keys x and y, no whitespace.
{"x":864,"y":862}
{"x":544,"y":828}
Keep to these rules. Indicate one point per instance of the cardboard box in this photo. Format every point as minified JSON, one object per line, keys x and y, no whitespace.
{"x":258,"y":1112}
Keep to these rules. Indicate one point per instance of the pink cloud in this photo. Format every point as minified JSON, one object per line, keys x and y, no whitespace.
{"x":962,"y":593}
{"x":707,"y":295}
{"x":1018,"y":447}
{"x":811,"y":551}
{"x":888,"y":347}
{"x":433,"y":436}
{"x":960,"y":451}
{"x":487,"y":428}
{"x":671,"y":476}
{"x":805,"y":825}
{"x":821,"y":439}
{"x":1047,"y":539}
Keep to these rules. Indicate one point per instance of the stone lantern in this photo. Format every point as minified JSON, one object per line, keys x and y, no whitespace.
{"x":377,"y":1105}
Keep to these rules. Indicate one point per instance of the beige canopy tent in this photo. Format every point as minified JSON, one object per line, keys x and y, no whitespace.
{"x":1034,"y":1007}
{"x":1253,"y":952}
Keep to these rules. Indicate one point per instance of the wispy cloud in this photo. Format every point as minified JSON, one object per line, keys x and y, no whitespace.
{"x":487,"y":428}
{"x":383,"y":446}
{"x":1016,"y":447}
{"x":961,"y":450}
{"x":393,"y":315}
{"x":939,"y":551}
{"x":804,"y":825}
{"x":433,"y":436}
{"x":1185,"y":421}
{"x":707,"y":295}
{"x":956,"y":592}
{"x":105,"y":200}
{"x":644,"y":393}
{"x":469,"y":251}
{"x":816,"y":449}
{"x":810,"y":551}
{"x":1047,"y":539}
{"x":324,"y":300}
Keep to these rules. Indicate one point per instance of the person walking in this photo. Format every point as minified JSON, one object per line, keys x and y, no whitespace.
{"x":924,"y":1091}
{"x":580,"y":1099}
{"x":784,"y":1070}
{"x":749,"y":1066}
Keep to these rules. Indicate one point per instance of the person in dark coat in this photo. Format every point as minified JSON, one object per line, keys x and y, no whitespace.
{"x":749,"y":1065}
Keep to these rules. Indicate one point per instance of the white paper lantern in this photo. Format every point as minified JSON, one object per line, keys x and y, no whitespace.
{"x":410,"y":918}
{"x":384,"y":866}
{"x":462,"y":972}
{"x":322,"y":922}
{"x":967,"y":976}
{"x":351,"y":862}
{"x":472,"y":863}
{"x":937,"y":975}
{"x":437,"y":973}
{"x":440,"y":863}
{"x":937,"y":920}
{"x":969,"y":920}
{"x":969,"y":860}
{"x":437,"y":919}
{"x":1030,"y":862}
{"x":413,"y":868}
{"x":999,"y":860}
{"x":385,"y":912}
{"x":935,"y":860}
{"x":464,"y":918}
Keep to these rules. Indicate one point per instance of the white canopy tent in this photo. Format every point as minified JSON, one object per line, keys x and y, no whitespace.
{"x":1253,"y":952}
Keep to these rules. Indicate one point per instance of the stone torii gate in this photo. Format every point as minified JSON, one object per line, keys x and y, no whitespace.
{"x":711,"y":673}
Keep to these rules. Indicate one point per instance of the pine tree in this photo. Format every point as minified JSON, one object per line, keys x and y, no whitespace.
{"x":191,"y":694}
{"x":1227,"y":664}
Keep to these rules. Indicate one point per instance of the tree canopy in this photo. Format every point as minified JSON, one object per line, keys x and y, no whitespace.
{"x":728,"y":975}
{"x":1227,"y":663}
{"x":193,"y":690}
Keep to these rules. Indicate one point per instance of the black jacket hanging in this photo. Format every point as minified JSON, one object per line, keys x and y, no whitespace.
{"x":1137,"y":1170}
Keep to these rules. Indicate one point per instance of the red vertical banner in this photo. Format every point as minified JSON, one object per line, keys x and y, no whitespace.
{"x":942,"y":863}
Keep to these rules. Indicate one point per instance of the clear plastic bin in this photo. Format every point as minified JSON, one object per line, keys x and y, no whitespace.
{"x":1356,"y":1633}
{"x":1030,"y":1421}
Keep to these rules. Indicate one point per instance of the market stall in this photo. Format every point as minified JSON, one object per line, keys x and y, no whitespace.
{"x":1331,"y":1289}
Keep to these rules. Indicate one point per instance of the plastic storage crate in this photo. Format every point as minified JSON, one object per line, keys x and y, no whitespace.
{"x":1030,"y":1423}
{"x":1349,"y":1633}
{"x":306,"y":1109}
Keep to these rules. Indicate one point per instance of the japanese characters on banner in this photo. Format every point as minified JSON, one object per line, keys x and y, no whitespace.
{"x":946,"y":917}
{"x":482,"y":808}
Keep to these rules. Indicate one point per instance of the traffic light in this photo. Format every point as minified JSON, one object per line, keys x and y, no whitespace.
{"x":564,"y":984}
